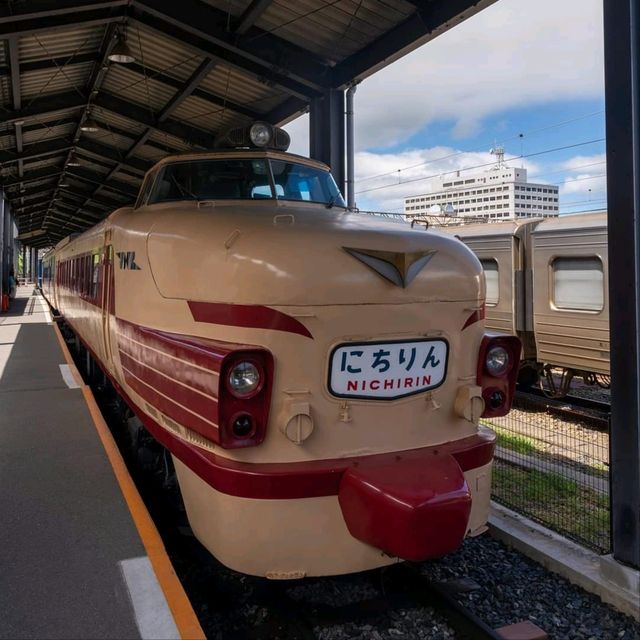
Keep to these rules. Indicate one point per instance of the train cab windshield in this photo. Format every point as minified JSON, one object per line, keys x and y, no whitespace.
{"x":243,"y":179}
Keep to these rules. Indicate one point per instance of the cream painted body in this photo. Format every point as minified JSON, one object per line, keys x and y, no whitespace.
{"x":283,"y":539}
{"x":290,"y":257}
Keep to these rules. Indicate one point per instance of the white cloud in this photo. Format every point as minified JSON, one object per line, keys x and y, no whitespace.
{"x":595,"y":162}
{"x":382,"y":187}
{"x":511,"y":54}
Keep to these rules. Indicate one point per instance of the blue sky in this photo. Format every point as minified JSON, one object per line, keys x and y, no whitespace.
{"x":533,"y":68}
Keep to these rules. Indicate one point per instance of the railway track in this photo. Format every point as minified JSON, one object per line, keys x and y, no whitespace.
{"x":399,"y":587}
{"x":592,"y":412}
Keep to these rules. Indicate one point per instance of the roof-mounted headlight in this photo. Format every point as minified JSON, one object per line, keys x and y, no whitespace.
{"x":261,"y":135}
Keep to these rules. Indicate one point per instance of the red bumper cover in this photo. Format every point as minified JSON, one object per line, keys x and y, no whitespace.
{"x":412,"y":509}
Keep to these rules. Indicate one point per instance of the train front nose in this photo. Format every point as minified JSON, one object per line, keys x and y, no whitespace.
{"x":412,"y":509}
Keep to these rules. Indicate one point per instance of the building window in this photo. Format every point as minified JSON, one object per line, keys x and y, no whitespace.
{"x":578,"y":284}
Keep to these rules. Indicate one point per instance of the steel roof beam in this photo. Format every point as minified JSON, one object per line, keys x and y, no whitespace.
{"x":38,"y":126}
{"x":74,"y":196}
{"x":89,"y":157}
{"x":14,"y":66}
{"x":34,"y":176}
{"x":191,"y":135}
{"x":251,"y":14}
{"x":33,"y":203}
{"x":79,"y":173}
{"x":36,"y":150}
{"x":196,"y":77}
{"x":51,"y":63}
{"x":431,"y":19}
{"x":46,"y":15}
{"x":72,"y":209}
{"x":97,"y":211}
{"x":107,"y":201}
{"x":257,"y":49}
{"x":112,"y":153}
{"x":96,"y":78}
{"x":287,"y":111}
{"x":27,"y":193}
{"x":257,"y":66}
{"x":203,"y":70}
{"x":165,"y":148}
{"x":35,"y":196}
{"x":45,"y":105}
{"x":67,"y":221}
{"x":170,"y":81}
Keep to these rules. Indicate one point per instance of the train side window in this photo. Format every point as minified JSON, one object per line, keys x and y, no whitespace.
{"x":578,"y":283}
{"x":490,"y":267}
{"x":146,"y":190}
{"x":95,"y":277}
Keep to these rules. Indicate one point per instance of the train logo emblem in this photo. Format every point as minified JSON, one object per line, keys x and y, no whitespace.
{"x":396,"y":266}
{"x":128,"y":260}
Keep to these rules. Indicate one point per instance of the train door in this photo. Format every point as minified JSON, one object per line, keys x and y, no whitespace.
{"x":108,"y":298}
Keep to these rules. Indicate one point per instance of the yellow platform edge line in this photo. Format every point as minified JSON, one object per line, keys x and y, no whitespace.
{"x":179,"y":604}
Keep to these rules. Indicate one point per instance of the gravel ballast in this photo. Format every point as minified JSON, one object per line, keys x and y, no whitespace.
{"x":500,"y":585}
{"x":514,"y":588}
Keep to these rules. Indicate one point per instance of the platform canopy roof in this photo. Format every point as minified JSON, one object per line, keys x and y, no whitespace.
{"x":200,"y":67}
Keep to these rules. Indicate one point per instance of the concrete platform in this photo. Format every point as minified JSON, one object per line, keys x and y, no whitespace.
{"x":74,"y":563}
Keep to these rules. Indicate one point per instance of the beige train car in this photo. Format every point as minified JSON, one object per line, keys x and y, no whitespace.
{"x":547,"y":283}
{"x":569,"y":265}
{"x":317,"y":375}
{"x":502,"y":251}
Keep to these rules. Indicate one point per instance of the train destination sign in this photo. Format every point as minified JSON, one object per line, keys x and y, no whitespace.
{"x":387,"y":370}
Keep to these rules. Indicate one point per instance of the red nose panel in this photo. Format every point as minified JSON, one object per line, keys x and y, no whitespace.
{"x":412,"y":509}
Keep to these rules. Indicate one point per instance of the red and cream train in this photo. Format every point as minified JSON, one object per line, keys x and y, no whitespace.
{"x":318,"y":376}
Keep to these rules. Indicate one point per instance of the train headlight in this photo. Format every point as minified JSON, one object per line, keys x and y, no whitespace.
{"x":497,"y":361}
{"x":244,"y":379}
{"x":261,"y":134}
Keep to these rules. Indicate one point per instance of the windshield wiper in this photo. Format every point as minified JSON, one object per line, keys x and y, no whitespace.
{"x":183,"y":190}
{"x":331,"y":202}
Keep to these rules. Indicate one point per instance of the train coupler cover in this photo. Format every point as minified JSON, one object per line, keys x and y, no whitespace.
{"x":411,"y":509}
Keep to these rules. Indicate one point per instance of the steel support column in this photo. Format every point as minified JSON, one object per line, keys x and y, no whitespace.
{"x":3,"y":207}
{"x":622,"y":93}
{"x":326,"y":133}
{"x":6,"y":246}
{"x":34,"y":265}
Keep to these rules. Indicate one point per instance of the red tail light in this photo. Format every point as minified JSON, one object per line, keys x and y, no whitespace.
{"x":244,"y":397}
{"x":498,"y":362}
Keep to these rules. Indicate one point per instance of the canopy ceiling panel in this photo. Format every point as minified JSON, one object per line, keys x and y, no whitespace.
{"x":196,"y":68}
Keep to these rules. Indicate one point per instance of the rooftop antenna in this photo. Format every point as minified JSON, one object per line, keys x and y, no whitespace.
{"x":521,"y":135}
{"x":498,"y":151}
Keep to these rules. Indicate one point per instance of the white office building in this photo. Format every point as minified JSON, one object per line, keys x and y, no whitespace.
{"x":500,"y":193}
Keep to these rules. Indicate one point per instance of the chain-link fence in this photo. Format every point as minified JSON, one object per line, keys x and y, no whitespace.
{"x":555,"y":471}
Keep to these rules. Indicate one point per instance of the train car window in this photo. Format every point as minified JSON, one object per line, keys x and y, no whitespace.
{"x":578,"y":284}
{"x":491,"y":274}
{"x":146,"y":189}
{"x":95,"y":277}
{"x":231,"y":179}
{"x":304,"y":183}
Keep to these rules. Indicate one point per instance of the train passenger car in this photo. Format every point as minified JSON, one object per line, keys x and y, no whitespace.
{"x":318,"y":377}
{"x":547,"y":283}
{"x":570,"y":294}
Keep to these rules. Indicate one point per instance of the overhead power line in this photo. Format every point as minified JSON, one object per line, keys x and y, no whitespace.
{"x":519,"y":136}
{"x":485,"y":164}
